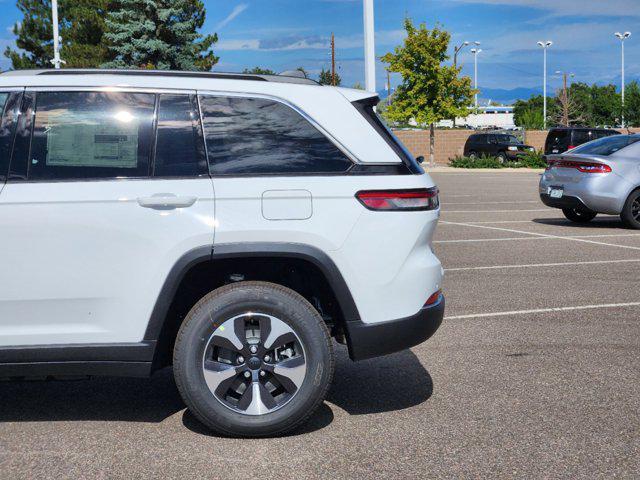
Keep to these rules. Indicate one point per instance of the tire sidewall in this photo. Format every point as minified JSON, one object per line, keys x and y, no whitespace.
{"x":226,"y":303}
{"x":627,"y":216}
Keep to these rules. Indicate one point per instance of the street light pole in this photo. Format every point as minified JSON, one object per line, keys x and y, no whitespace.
{"x":56,"y":40}
{"x":623,"y":37}
{"x":545,"y":46}
{"x":475,"y":52}
{"x":456,"y":50}
{"x":369,"y":47}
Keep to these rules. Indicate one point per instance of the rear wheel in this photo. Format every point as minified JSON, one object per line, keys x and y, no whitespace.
{"x":631,"y":212}
{"x":578,"y":215}
{"x":253,"y":359}
{"x":473,"y":155}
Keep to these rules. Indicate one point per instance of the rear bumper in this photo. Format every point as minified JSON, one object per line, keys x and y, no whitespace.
{"x":563,"y":202}
{"x":377,"y":339}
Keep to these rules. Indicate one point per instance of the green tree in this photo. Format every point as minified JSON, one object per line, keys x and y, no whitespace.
{"x":82,"y":27}
{"x":325,"y":78}
{"x":430,"y":90}
{"x":303,"y":71}
{"x":259,"y":71}
{"x":632,"y":104}
{"x":159,"y":34}
{"x":529,"y":114}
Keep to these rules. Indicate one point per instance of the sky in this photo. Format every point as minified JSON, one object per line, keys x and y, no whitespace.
{"x":285,"y":34}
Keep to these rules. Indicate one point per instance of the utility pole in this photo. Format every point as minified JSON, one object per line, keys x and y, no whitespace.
{"x":545,"y":46}
{"x":565,"y":96}
{"x":333,"y":60}
{"x":623,"y":37}
{"x":369,"y":47}
{"x":56,"y":39}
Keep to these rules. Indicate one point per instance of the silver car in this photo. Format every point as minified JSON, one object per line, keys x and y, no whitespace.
{"x":602,"y":176}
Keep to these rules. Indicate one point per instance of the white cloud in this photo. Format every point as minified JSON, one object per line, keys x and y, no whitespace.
{"x":237,"y":10}
{"x":384,"y":38}
{"x":622,"y":8}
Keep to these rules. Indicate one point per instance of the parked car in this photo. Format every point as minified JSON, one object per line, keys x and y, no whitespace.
{"x":227,"y":225}
{"x":502,"y":146}
{"x":561,"y":139}
{"x":601,"y":176}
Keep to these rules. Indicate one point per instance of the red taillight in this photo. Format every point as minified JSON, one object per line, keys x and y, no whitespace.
{"x":390,"y":200}
{"x":584,"y":167}
{"x":433,"y":298}
{"x":571,"y":147}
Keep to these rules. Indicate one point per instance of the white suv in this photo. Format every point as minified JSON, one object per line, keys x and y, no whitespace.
{"x":228,"y":225}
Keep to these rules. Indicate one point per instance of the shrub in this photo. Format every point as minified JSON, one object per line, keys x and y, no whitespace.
{"x":528,"y":160}
{"x":483,"y":161}
{"x":533,"y":160}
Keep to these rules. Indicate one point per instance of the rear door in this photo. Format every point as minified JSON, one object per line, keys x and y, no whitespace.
{"x":92,"y":221}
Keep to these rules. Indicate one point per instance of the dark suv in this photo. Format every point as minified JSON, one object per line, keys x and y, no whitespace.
{"x":561,"y":139}
{"x":502,"y":146}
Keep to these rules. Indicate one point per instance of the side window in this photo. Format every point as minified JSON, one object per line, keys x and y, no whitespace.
{"x":91,"y":135}
{"x":179,"y":143}
{"x":9,"y":108}
{"x":261,"y":136}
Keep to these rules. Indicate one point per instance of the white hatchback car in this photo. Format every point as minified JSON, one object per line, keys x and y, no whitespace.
{"x":228,"y":225}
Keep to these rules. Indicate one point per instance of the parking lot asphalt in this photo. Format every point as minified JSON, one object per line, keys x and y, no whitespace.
{"x":535,"y":373}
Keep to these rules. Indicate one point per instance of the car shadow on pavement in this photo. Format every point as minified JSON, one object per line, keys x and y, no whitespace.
{"x":598,"y":222}
{"x":384,"y":384}
{"x":378,"y":385}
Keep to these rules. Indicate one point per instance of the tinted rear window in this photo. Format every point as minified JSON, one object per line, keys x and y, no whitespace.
{"x":606,"y":146}
{"x":558,"y":137}
{"x":582,"y":136}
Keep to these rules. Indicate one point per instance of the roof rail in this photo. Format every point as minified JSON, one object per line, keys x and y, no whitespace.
{"x":165,"y":73}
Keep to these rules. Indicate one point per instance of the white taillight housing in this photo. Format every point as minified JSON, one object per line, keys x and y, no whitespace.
{"x":400,"y":200}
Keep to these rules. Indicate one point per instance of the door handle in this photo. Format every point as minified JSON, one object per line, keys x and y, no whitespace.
{"x":166,"y":201}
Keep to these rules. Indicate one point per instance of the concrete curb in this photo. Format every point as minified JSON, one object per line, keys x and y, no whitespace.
{"x":439,"y":169}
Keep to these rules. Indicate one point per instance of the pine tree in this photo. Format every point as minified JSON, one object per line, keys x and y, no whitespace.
{"x":325,"y":78}
{"x":160,"y":34}
{"x":259,"y":71}
{"x":82,"y":28}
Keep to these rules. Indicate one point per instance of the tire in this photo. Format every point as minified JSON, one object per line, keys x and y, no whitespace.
{"x":473,"y":155}
{"x":579,"y":216}
{"x":630,"y":215}
{"x":502,"y":158}
{"x":270,"y":334}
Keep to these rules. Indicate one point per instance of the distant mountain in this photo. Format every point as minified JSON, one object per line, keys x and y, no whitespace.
{"x":509,"y":96}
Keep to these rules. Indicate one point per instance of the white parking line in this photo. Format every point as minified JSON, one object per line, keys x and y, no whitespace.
{"x":540,"y":265}
{"x":493,"y":211}
{"x":509,"y":239}
{"x":542,"y":310}
{"x":515,"y":221}
{"x":573,"y":239}
{"x":489,"y":203}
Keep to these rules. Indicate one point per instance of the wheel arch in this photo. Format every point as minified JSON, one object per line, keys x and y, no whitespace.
{"x":162,"y":325}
